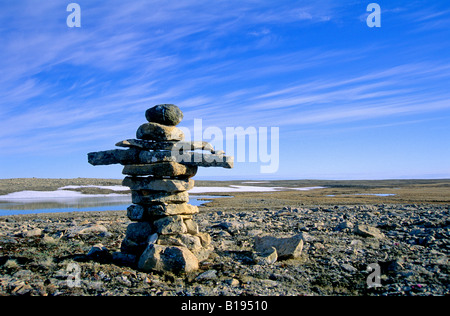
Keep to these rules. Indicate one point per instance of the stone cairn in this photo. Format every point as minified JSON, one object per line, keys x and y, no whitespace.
{"x":159,"y":166}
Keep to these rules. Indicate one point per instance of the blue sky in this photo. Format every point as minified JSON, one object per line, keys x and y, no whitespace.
{"x":350,"y":102}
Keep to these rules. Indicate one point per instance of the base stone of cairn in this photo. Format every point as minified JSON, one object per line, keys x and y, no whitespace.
{"x":159,"y":166}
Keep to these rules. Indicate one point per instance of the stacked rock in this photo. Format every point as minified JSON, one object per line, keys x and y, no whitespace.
{"x":159,"y":166}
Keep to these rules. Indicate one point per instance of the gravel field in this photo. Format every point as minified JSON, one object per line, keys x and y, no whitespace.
{"x":348,"y":241}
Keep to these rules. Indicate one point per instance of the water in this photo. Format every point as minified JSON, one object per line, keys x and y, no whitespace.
{"x":81,"y":204}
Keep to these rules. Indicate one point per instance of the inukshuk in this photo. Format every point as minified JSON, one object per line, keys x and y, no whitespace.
{"x":159,"y":166}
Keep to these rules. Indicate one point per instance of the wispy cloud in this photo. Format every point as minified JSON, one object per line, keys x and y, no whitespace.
{"x":293,"y":64}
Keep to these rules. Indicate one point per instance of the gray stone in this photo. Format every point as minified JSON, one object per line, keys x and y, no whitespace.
{"x":167,"y":114}
{"x":152,"y":238}
{"x":149,"y":183}
{"x":136,"y":238}
{"x":139,"y":231}
{"x":368,"y":231}
{"x":349,"y":268}
{"x":146,"y":197}
{"x":346,"y":225}
{"x":205,"y":239}
{"x":115,"y":156}
{"x":170,"y":225}
{"x":98,"y":250}
{"x":184,"y":146}
{"x":176,"y":146}
{"x":203,"y":253}
{"x":288,"y":247}
{"x":192,"y":227}
{"x":269,"y":256}
{"x":124,"y":258}
{"x":158,"y":132}
{"x":162,"y":169}
{"x":167,"y":258}
{"x":207,"y":275}
{"x":86,"y":230}
{"x":187,"y":158}
{"x":36,"y":232}
{"x":147,"y":144}
{"x":137,"y":212}
{"x":145,"y":213}
{"x":172,"y":209}
{"x":206,"y":160}
{"x":189,"y":241}
{"x":157,"y":156}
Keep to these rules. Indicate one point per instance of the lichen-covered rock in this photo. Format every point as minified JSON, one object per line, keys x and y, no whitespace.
{"x":167,"y":258}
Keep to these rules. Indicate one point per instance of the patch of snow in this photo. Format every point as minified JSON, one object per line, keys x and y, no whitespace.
{"x":246,"y":188}
{"x":107,"y":187}
{"x":306,"y":188}
{"x":45,"y":195}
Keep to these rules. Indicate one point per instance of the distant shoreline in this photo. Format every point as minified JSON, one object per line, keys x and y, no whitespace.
{"x":334,"y":192}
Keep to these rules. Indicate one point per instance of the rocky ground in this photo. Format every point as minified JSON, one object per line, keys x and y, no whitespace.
{"x":59,"y":254}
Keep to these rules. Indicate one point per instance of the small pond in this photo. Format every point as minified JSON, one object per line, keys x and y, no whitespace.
{"x":79,"y":204}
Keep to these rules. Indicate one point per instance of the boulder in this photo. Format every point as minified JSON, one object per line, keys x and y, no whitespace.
{"x":166,"y":114}
{"x":167,"y":258}
{"x":287,"y":247}
{"x":158,"y":132}
{"x":189,"y":241}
